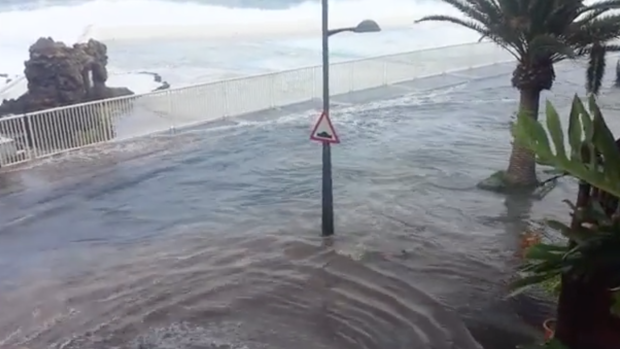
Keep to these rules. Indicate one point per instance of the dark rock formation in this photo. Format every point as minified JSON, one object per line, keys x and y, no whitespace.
{"x":5,"y":77}
{"x":59,"y":75}
{"x":164,"y":86}
{"x":157,"y":78}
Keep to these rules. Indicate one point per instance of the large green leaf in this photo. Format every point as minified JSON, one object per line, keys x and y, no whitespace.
{"x":547,"y":252}
{"x":598,"y":138}
{"x":575,"y":131}
{"x":572,"y":234}
{"x":588,"y":131}
{"x":531,"y":134}
{"x":555,"y":130}
{"x":525,"y":283}
{"x":604,"y":142}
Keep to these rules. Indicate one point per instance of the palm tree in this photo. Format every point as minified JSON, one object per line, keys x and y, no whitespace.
{"x":539,"y":33}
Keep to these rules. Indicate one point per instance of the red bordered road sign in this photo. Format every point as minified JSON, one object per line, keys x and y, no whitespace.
{"x":323,"y":131}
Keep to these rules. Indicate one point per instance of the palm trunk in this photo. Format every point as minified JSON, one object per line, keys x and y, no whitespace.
{"x":522,"y":164}
{"x":584,"y":319}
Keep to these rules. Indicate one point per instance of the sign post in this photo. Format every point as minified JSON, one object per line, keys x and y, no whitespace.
{"x":325,"y":133}
{"x":366,"y":26}
{"x":327,"y":217}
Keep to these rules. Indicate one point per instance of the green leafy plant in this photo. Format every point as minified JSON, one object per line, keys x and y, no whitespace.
{"x":594,"y":159}
{"x":552,"y":286}
{"x":587,"y":151}
{"x":589,"y":138}
{"x":544,"y":264}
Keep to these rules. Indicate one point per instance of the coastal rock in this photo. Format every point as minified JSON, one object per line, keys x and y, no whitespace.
{"x":60,"y":75}
{"x":164,"y":85}
{"x":5,"y":79}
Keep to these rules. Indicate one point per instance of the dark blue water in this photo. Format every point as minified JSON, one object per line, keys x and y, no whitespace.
{"x":209,"y":238}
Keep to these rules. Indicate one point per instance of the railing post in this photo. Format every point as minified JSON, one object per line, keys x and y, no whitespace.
{"x":352,"y":78}
{"x":32,"y":136}
{"x":226,"y":100}
{"x":272,"y":102}
{"x":313,"y":75}
{"x":170,"y":112}
{"x":108,"y":121}
{"x":385,"y":68}
{"x":26,"y":132}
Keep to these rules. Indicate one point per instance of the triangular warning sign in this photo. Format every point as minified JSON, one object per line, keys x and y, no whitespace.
{"x":324,"y":131}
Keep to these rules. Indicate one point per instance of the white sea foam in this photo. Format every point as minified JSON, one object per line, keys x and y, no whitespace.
{"x":153,"y":19}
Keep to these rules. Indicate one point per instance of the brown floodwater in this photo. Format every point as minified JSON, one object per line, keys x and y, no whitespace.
{"x":209,"y":238}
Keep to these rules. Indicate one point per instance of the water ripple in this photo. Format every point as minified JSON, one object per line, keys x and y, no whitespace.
{"x":208,"y":239}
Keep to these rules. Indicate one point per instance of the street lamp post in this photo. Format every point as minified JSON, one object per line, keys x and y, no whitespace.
{"x":366,"y":26}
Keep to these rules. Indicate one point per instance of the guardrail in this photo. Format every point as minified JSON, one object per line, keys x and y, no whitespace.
{"x":50,"y":132}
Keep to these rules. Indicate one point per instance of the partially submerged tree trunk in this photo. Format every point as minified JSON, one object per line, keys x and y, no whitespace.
{"x":521,"y":170}
{"x":584,"y":318}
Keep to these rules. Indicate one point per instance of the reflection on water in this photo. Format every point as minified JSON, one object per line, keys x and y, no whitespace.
{"x":208,"y":239}
{"x":263,"y":290}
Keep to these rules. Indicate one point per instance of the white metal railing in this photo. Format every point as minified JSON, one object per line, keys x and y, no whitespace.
{"x":46,"y":133}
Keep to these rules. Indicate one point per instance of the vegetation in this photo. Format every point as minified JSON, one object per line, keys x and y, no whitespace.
{"x":540,"y":33}
{"x":588,"y":265}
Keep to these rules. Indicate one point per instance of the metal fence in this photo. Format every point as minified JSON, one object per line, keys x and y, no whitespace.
{"x":54,"y":131}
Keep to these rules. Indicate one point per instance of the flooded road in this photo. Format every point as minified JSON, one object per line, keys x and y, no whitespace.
{"x":209,"y":238}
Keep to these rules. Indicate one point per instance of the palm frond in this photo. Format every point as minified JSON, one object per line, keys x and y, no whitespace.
{"x":469,"y":10}
{"x":549,"y":46}
{"x":542,"y":31}
{"x":591,"y":15}
{"x":587,"y":51}
{"x":601,"y":5}
{"x":612,"y":48}
{"x":596,"y":69}
{"x":475,"y":26}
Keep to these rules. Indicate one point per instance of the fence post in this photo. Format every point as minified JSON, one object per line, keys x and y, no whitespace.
{"x":170,"y":111}
{"x":385,"y":68}
{"x":26,"y":133}
{"x":352,"y":77}
{"x":226,"y":100}
{"x":271,"y":83}
{"x":32,"y":135}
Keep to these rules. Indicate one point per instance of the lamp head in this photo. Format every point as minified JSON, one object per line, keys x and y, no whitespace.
{"x":367,"y":26}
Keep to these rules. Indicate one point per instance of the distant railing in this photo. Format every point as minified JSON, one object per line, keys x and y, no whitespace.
{"x":46,"y":133}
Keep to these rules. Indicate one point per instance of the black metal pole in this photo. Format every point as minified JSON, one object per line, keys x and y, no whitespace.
{"x":331,"y":32}
{"x":327,"y":218}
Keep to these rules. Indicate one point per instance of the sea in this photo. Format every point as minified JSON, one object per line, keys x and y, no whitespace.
{"x":194,"y":41}
{"x":209,"y":238}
